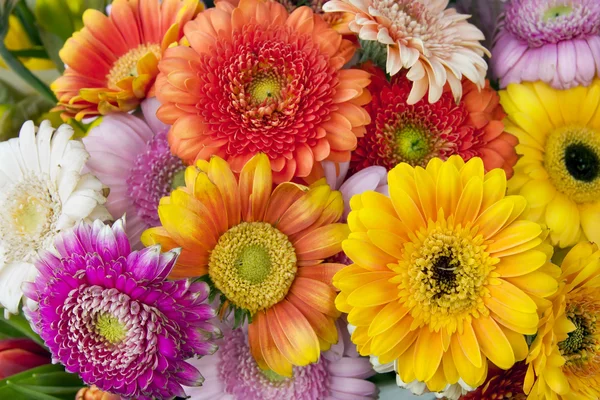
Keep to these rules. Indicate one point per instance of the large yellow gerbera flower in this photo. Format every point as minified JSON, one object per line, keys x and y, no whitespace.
{"x":447,"y":274}
{"x":263,"y":249}
{"x":564,"y":361}
{"x":559,"y":169}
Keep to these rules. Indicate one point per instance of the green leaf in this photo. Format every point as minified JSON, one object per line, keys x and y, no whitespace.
{"x":19,"y":327}
{"x":53,"y":43}
{"x":34,"y":372}
{"x":54,"y":16}
{"x":35,"y":52}
{"x":31,"y":394}
{"x":43,"y":383}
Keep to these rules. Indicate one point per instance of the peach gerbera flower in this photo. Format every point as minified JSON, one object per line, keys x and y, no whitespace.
{"x":263,"y":250}
{"x":259,"y":79}
{"x":112,"y":62}
{"x":436,"y":45}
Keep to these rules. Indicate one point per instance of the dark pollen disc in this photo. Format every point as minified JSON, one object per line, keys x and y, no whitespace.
{"x":582,"y":162}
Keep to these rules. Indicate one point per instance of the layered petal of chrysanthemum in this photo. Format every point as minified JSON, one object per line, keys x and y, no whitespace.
{"x":264,"y":98}
{"x":431,"y":55}
{"x":534,"y":43}
{"x":118,"y":291}
{"x":43,"y":192}
{"x":415,"y":133}
{"x":560,"y":189}
{"x":101,"y":56}
{"x":567,"y":331}
{"x":409,"y":250}
{"x":232,"y":228}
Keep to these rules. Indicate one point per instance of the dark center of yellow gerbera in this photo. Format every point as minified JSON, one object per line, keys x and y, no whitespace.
{"x":444,"y":272}
{"x":253,"y":265}
{"x":572,"y":159}
{"x":412,"y":143}
{"x":557,"y":12}
{"x":583,"y":343}
{"x":582,"y":162}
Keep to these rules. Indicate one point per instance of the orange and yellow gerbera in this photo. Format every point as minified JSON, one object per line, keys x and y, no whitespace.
{"x":263,"y":249}
{"x":447,"y":274}
{"x":112,"y":62}
{"x":564,"y":360}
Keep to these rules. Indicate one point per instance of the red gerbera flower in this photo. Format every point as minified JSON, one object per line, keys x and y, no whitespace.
{"x":259,"y":79}
{"x":414,"y":134}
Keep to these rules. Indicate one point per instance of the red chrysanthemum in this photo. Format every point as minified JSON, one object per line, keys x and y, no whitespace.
{"x":501,"y":385}
{"x":258,"y":79}
{"x":414,"y":134}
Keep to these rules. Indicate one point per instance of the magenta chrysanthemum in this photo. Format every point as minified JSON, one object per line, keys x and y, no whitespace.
{"x":109,"y":315}
{"x":132,"y":157}
{"x":233,"y":374}
{"x":557,"y":42}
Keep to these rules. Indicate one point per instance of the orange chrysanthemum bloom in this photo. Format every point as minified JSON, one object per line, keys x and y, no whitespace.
{"x":564,"y":359}
{"x":447,"y":274}
{"x":433,"y":43}
{"x":112,"y":62}
{"x":263,"y":249}
{"x":258,"y":79}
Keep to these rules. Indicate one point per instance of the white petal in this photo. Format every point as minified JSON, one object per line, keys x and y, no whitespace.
{"x":44,"y":136}
{"x":28,"y":147}
{"x":60,"y":139}
{"x":12,"y":276}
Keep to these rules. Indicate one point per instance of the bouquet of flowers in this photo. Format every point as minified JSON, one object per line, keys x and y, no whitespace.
{"x":279,"y":199}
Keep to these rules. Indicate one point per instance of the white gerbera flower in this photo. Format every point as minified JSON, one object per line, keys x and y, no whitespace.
{"x":42,"y":191}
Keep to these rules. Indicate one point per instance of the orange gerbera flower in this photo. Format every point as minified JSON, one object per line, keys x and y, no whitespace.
{"x":263,"y":249}
{"x":259,"y":79}
{"x":112,"y":62}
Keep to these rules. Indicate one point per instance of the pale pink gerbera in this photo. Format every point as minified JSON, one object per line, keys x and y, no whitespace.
{"x":557,"y":42}
{"x":436,"y":45}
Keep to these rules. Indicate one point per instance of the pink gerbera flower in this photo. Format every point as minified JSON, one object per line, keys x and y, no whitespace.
{"x":557,"y":42}
{"x":131,"y":156}
{"x":233,"y":374}
{"x":436,"y":45}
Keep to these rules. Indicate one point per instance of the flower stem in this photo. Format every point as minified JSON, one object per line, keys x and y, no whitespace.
{"x":18,"y":67}
{"x":28,"y":21}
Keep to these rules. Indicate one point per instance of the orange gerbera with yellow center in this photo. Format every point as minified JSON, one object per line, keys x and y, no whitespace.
{"x":446,"y":273}
{"x":113,"y":61}
{"x":257,"y":79}
{"x":263,"y":249}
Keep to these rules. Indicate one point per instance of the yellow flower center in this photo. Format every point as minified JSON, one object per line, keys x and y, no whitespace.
{"x":572,"y":160}
{"x":253,"y":265}
{"x":265,"y":85}
{"x":110,"y":328}
{"x":445,"y":275}
{"x":126,"y":65}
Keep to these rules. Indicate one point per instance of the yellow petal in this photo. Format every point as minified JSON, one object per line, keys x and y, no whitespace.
{"x":590,"y":221}
{"x":386,"y":341}
{"x":367,"y":255}
{"x":362,"y":316}
{"x":517,"y":342}
{"x":373,"y":294}
{"x":517,"y":233}
{"x":494,"y":188}
{"x":407,"y":209}
{"x":512,"y":297}
{"x":448,"y":188}
{"x":428,"y":354}
{"x":255,"y":187}
{"x":493,"y":342}
{"x":469,"y":345}
{"x":470,"y":201}
{"x":387,"y":317}
{"x":521,"y":264}
{"x":468,"y":372}
{"x":494,"y":218}
{"x":388,"y":242}
{"x":538,"y":283}
{"x":426,"y":192}
{"x":522,"y":322}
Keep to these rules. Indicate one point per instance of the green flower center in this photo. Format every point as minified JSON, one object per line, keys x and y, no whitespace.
{"x":413,"y":143}
{"x":557,"y":12}
{"x":582,"y":344}
{"x":265,"y":86}
{"x":178,"y":179}
{"x":273,"y":376}
{"x":110,"y":328}
{"x":254,"y":264}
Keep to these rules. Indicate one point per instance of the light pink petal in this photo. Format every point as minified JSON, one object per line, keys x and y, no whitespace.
{"x":586,"y":66}
{"x":149,"y":107}
{"x":567,"y":64}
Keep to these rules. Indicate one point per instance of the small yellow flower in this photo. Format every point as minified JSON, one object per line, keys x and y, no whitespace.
{"x":447,"y":274}
{"x":564,"y":360}
{"x":559,"y":169}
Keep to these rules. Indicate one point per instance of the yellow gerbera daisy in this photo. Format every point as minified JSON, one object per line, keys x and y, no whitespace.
{"x":559,"y":169}
{"x":263,"y":249}
{"x":447,"y":274}
{"x":564,"y":361}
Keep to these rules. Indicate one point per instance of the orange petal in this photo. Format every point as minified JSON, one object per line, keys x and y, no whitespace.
{"x":322,"y":242}
{"x":304,"y":211}
{"x":255,"y":187}
{"x":283,"y":196}
{"x":316,"y":294}
{"x":298,"y":330}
